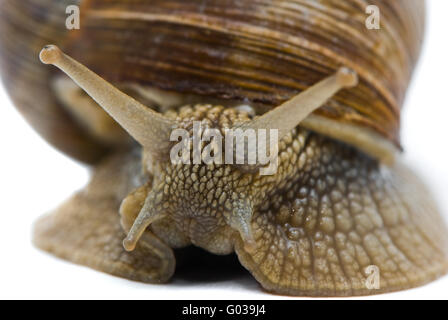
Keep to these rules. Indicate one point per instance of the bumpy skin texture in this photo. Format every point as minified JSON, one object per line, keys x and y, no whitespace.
{"x":339,"y":215}
{"x":327,"y":214}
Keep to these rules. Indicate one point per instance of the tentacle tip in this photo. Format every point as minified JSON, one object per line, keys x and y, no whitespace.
{"x":128,"y":245}
{"x":347,"y":77}
{"x":50,"y":54}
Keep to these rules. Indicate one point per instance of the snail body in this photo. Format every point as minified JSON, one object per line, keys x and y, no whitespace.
{"x":340,"y":202}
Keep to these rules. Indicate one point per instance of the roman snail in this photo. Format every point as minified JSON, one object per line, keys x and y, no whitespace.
{"x":340,"y":201}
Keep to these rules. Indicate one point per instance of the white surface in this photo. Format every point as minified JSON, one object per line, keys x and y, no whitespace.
{"x":34,"y":178}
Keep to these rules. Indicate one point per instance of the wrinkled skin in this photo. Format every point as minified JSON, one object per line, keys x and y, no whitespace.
{"x":310,"y":229}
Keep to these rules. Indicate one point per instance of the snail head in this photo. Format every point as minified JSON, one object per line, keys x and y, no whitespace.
{"x":153,"y":131}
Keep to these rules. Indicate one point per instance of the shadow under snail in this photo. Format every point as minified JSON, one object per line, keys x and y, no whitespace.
{"x":341,"y":199}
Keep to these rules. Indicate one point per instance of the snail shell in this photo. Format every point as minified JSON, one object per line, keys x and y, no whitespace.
{"x":25,"y":27}
{"x":256,"y":52}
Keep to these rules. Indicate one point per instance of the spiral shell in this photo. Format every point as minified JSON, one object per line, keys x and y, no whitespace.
{"x":252,"y":51}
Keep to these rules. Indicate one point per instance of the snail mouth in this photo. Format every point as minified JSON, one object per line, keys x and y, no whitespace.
{"x":206,"y":232}
{"x":209,"y":235}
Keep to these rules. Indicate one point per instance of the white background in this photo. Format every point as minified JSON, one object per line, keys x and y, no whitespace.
{"x":34,"y":178}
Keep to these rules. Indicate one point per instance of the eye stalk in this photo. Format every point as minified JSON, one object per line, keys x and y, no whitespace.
{"x":290,"y":114}
{"x":284,"y":118}
{"x":151,"y":129}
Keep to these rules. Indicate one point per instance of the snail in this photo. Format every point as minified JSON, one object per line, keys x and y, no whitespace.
{"x":341,"y":201}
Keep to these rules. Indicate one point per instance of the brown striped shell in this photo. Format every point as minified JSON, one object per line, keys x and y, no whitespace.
{"x":253,"y":51}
